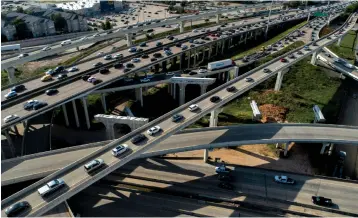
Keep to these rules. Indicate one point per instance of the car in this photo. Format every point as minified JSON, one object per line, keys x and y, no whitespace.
{"x":120,"y":149}
{"x":249,"y":79}
{"x":178,"y":44}
{"x":23,"y":55}
{"x":10,"y":94}
{"x":85,"y":77}
{"x":226,"y":185}
{"x":184,"y":47}
{"x":143,"y":44}
{"x":61,"y":76}
{"x":91,"y":79}
{"x":153,"y":59}
{"x":168,"y":52}
{"x":192,"y":46}
{"x":10,"y":118}
{"x":73,"y":69}
{"x":98,"y":64}
{"x":39,"y":104}
{"x":266,"y":70}
{"x":193,"y":107}
{"x":145,"y":56}
{"x":103,"y":70}
{"x":283,"y":60}
{"x":118,"y":65}
{"x":226,"y":178}
{"x":135,"y":60}
{"x":153,"y":130}
{"x":215,"y":99}
{"x":93,"y":165}
{"x":138,"y":138}
{"x":222,"y":169}
{"x":319,"y":200}
{"x":59,"y":69}
{"x":157,"y":55}
{"x":170,"y":73}
{"x":159,"y":44}
{"x":51,"y":186}
{"x":29,"y":104}
{"x":51,"y":91}
{"x":299,"y":53}
{"x":15,"y":209}
{"x":18,"y":88}
{"x":306,"y":48}
{"x":166,"y":48}
{"x":46,"y":48}
{"x":177,"y":117}
{"x":284,"y":180}
{"x":202,"y":71}
{"x":170,"y":38}
{"x":144,"y":80}
{"x":50,"y":72}
{"x":107,"y":57}
{"x":291,"y":56}
{"x":118,"y":56}
{"x":100,"y":54}
{"x":132,"y":49}
{"x":128,"y":79}
{"x":314,"y":44}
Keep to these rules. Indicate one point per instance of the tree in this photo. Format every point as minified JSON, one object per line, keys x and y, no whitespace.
{"x":22,"y":32}
{"x":3,"y":38}
{"x":20,"y":9}
{"x":60,"y":22}
{"x":107,"y":25}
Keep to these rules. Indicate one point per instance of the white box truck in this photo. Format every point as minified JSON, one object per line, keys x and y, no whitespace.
{"x":221,"y":64}
{"x":67,"y":42}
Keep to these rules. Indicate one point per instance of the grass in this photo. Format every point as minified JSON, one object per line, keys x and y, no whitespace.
{"x":347,"y":47}
{"x":269,"y":42}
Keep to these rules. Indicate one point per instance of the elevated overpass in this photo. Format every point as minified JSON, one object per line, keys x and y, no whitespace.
{"x":75,"y":177}
{"x":40,"y":165}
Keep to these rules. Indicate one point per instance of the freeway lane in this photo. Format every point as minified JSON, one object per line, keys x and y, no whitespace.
{"x":41,"y":165}
{"x":76,"y":179}
{"x":68,"y":91}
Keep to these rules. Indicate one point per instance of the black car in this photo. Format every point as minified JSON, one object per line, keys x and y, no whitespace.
{"x":322,"y":201}
{"x":178,"y":45}
{"x":266,"y":70}
{"x":118,"y":65}
{"x":97,"y":81}
{"x":157,"y":55}
{"x":145,"y":56}
{"x":17,"y":208}
{"x":299,"y":52}
{"x":103,"y":71}
{"x":129,"y":65}
{"x":231,"y":89}
{"x":51,"y":91}
{"x":138,"y":138}
{"x":126,"y":70}
{"x":192,"y":73}
{"x":177,"y":117}
{"x":39,"y":105}
{"x":61,"y":76}
{"x":171,"y":37}
{"x":18,"y":88}
{"x":225,"y":178}
{"x":98,"y":64}
{"x":85,"y":77}
{"x":225,"y":185}
{"x":215,"y":99}
{"x":186,"y":71}
{"x":59,"y":69}
{"x":153,"y":59}
{"x":192,"y":46}
{"x":292,"y":56}
{"x":139,"y":50}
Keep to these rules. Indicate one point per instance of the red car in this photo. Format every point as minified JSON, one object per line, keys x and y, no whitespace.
{"x":283,"y":60}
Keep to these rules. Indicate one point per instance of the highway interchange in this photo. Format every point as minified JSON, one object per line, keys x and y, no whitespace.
{"x":77,"y":180}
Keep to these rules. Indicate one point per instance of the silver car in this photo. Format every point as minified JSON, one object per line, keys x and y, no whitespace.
{"x":93,"y":165}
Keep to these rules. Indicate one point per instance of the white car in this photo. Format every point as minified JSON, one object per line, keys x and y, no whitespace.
{"x":222,"y":169}
{"x":10,"y":118}
{"x":193,"y":107}
{"x":153,"y":130}
{"x":96,"y":35}
{"x":107,"y":57}
{"x":46,"y":48}
{"x":49,"y":72}
{"x":119,"y":149}
{"x":144,"y":80}
{"x":202,"y":71}
{"x":51,"y":187}
{"x":170,"y":74}
{"x":100,"y":53}
{"x":118,"y":56}
{"x":93,"y":165}
{"x":284,"y":179}
{"x":195,"y":31}
{"x":84,"y":38}
{"x":135,"y":60}
{"x":73,"y":69}
{"x":91,"y":79}
{"x":128,"y":79}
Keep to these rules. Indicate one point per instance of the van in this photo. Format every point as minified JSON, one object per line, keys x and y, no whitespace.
{"x":67,"y":42}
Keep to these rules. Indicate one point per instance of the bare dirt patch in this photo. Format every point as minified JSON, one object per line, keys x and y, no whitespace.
{"x":272,"y":113}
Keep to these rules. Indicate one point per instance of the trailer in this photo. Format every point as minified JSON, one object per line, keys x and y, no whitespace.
{"x":221,"y":64}
{"x":11,"y":47}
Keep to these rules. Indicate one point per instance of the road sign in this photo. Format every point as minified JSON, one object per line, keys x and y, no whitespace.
{"x":320,"y":14}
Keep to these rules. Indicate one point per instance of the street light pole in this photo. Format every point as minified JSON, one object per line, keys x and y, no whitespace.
{"x":268,"y":19}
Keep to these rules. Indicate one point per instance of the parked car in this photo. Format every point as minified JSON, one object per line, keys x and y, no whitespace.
{"x":85,"y":77}
{"x":132,"y":49}
{"x":46,"y":48}
{"x":73,"y":69}
{"x":50,"y":72}
{"x":91,"y":79}
{"x":23,"y":55}
{"x":59,"y":69}
{"x":51,"y":186}
{"x":159,"y":44}
{"x":10,"y":118}
{"x":284,"y":180}
{"x":153,"y":130}
{"x":93,"y":165}
{"x":145,"y":56}
{"x":15,"y":210}
{"x":120,"y":149}
{"x":193,"y":107}
{"x":138,"y":138}
{"x":11,"y":94}
{"x":177,"y":117}
{"x":157,"y":55}
{"x":51,"y":91}
{"x":168,"y":52}
{"x":129,"y":65}
{"x":18,"y":88}
{"x":322,"y":201}
{"x":184,"y":47}
{"x":143,"y":44}
{"x":283,"y":60}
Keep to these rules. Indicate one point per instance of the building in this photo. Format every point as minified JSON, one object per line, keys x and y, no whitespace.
{"x":92,"y":7}
{"x":8,"y":30}
{"x":37,"y":25}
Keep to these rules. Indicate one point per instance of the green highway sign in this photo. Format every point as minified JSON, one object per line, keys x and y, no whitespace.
{"x":320,"y":14}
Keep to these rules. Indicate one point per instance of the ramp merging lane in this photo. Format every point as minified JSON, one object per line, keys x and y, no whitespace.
{"x":75,"y":177}
{"x":42,"y":164}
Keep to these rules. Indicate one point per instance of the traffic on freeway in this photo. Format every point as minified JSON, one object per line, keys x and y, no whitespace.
{"x":76,"y":179}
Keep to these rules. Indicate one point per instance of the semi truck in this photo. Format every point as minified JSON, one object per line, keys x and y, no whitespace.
{"x":11,"y":47}
{"x":221,"y":64}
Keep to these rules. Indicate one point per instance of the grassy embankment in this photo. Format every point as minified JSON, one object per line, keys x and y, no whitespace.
{"x":347,"y":48}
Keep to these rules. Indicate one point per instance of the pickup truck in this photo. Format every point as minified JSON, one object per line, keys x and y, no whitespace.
{"x":51,"y":187}
{"x":284,"y":179}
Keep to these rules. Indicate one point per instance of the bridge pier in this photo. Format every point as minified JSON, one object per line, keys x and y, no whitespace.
{"x":174,"y":90}
{"x":217,"y":19}
{"x":286,"y":149}
{"x":139,"y":95}
{"x":75,"y":113}
{"x":65,"y":114}
{"x":339,"y":41}
{"x":279,"y":80}
{"x":103,"y":100}
{"x":222,"y":47}
{"x":194,"y":58}
{"x":236,"y":71}
{"x":314,"y":57}
{"x":84,"y":102}
{"x":129,"y":39}
{"x":16,"y":130}
{"x":11,"y":74}
{"x":77,"y":48}
{"x":203,"y":88}
{"x":11,"y":144}
{"x":182,"y":93}
{"x":181,"y":26}
{"x":213,"y":123}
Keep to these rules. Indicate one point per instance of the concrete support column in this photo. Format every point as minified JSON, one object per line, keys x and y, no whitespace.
{"x":227,"y":76}
{"x":65,"y":114}
{"x":11,"y":74}
{"x":103,"y":100}
{"x":309,"y":15}
{"x":77,"y":48}
{"x":75,"y":113}
{"x":217,"y":48}
{"x":206,"y":155}
{"x":170,"y":88}
{"x":181,"y":26}
{"x":129,"y":39}
{"x":236,"y":71}
{"x":210,"y":51}
{"x":16,"y":130}
{"x":339,"y":41}
{"x":84,"y":102}
{"x":279,"y":81}
{"x":222,"y":47}
{"x":182,"y":93}
{"x":314,"y":57}
{"x":110,"y":132}
{"x":189,"y":58}
{"x":217,"y":20}
{"x":324,"y":145}
{"x":174,"y":90}
{"x":180,"y":62}
{"x":214,"y":117}
{"x":139,"y":95}
{"x":203,"y":89}
{"x":286,"y":149}
{"x":194,"y":58}
{"x":11,"y":144}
